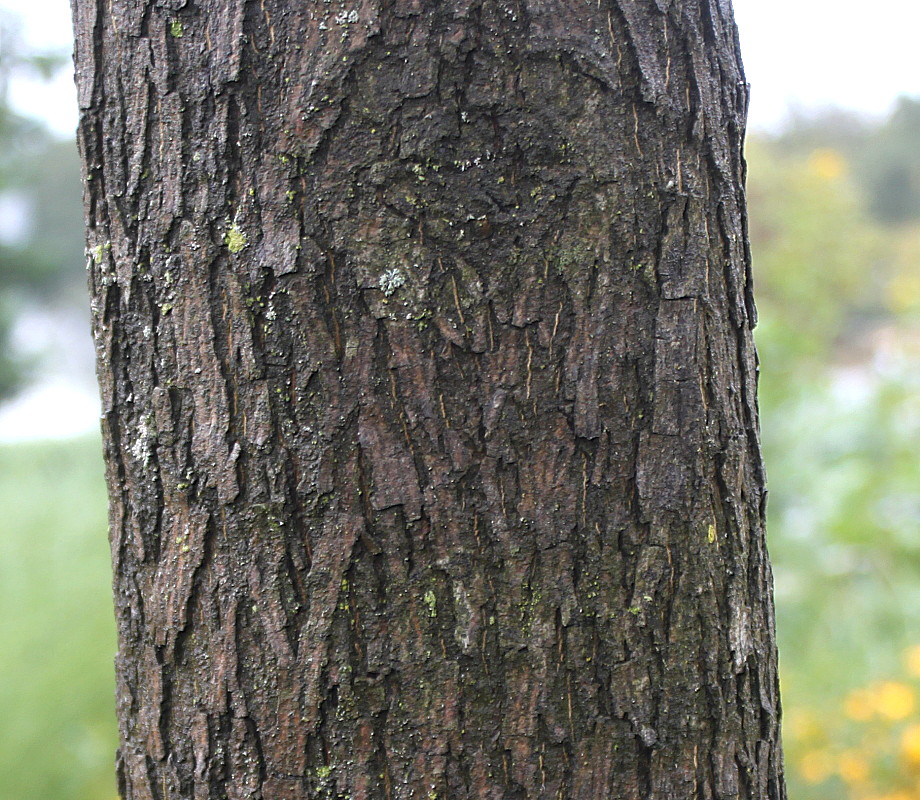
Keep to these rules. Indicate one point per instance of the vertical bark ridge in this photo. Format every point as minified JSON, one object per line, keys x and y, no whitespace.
{"x":424,"y":337}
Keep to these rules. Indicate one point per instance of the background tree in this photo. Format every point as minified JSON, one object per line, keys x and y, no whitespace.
{"x":429,"y":394}
{"x":40,"y":231}
{"x":882,"y":154}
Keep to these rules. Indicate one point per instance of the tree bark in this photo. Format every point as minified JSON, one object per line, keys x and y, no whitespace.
{"x":424,"y":343}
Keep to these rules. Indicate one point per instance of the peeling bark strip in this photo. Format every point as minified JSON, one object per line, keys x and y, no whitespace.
{"x":424,"y":338}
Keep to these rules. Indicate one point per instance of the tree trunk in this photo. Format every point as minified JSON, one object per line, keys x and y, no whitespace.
{"x":424,"y":342}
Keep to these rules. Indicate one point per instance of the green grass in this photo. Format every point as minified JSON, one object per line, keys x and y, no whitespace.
{"x":57,"y":723}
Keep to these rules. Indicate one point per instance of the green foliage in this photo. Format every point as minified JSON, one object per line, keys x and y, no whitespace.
{"x":57,"y":730}
{"x":845,"y":539}
{"x":838,"y":291}
{"x":815,"y":257}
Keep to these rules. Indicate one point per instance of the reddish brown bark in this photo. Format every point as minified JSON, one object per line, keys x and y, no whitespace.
{"x":424,"y":337}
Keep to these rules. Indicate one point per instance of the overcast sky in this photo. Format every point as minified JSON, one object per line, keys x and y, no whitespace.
{"x":801,"y":53}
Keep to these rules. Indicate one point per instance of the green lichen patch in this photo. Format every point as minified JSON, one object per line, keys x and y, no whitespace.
{"x":175,"y":28}
{"x":235,"y":239}
{"x":432,"y":602}
{"x":574,"y":257}
{"x":98,"y":252}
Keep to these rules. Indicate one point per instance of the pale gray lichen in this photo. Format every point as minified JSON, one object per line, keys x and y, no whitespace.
{"x":141,"y":449}
{"x":391,"y":280}
{"x":347,"y":17}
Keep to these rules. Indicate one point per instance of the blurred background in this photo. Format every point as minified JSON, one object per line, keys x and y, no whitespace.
{"x":834,"y":190}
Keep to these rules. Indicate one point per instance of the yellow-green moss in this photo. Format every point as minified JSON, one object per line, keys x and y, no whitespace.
{"x":432,"y":602}
{"x":235,"y":239}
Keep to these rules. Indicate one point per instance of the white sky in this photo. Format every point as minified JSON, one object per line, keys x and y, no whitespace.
{"x":812,"y":53}
{"x":804,"y":53}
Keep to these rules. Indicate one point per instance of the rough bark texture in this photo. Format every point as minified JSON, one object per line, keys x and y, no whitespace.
{"x":424,"y":337}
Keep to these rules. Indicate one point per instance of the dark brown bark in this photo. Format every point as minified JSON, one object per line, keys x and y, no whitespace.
{"x":424,"y":336}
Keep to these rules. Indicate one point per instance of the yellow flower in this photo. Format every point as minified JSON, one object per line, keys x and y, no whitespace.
{"x":816,"y":766}
{"x":912,"y":657}
{"x":827,"y":164}
{"x":803,"y":725}
{"x":894,"y":700}
{"x":859,"y":705}
{"x":853,"y":767}
{"x":910,"y":746}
